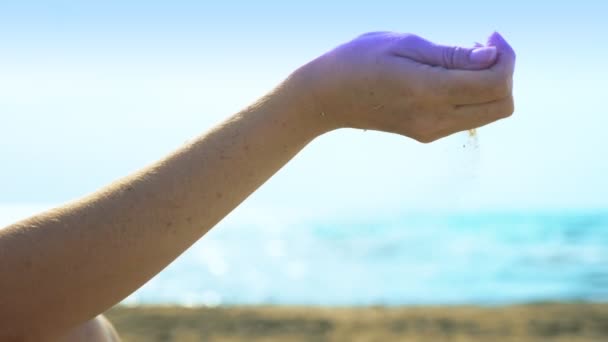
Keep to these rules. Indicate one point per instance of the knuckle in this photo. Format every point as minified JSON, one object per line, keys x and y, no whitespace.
{"x":372,"y":34}
{"x":460,"y":57}
{"x":408,"y":39}
{"x":449,"y":56}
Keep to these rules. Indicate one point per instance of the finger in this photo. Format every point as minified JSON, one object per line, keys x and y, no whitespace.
{"x":477,"y":115}
{"x":471,"y":87}
{"x":506,"y":54}
{"x":505,"y":59}
{"x":449,"y":57}
{"x":467,"y":117}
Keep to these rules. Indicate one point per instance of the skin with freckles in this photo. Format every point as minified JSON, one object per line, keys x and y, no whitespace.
{"x":69,"y":264}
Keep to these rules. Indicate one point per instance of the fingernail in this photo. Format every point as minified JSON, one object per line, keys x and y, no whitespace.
{"x":483,"y":55}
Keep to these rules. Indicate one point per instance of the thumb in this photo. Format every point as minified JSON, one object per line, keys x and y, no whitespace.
{"x":449,"y":57}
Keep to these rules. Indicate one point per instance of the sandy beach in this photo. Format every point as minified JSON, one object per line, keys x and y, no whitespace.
{"x":575,"y":322}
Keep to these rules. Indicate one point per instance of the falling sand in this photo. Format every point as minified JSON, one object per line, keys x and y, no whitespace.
{"x":473,"y":139}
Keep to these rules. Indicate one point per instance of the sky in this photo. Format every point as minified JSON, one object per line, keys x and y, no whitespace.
{"x":91,"y":91}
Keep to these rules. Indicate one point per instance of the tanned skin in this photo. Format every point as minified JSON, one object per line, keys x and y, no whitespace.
{"x":60,"y":269}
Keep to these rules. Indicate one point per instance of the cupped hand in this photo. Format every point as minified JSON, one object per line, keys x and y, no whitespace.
{"x":404,"y":84}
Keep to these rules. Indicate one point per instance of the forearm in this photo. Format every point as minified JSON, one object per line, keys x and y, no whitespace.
{"x":79,"y":260}
{"x":65,"y":266}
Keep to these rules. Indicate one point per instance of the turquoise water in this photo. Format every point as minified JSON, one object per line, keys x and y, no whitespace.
{"x":491,"y":258}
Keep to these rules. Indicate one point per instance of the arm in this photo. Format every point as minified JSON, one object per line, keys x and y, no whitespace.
{"x":63,"y":267}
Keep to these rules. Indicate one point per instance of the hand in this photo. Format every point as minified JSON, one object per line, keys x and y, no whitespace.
{"x":404,"y":84}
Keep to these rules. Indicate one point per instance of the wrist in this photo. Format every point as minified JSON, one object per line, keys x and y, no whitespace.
{"x":301,"y":88}
{"x":285,"y":113}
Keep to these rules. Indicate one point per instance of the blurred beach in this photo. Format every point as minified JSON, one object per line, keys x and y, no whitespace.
{"x":528,"y":323}
{"x":421,"y":277}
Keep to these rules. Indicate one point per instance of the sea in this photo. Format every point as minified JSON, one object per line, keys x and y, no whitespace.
{"x":472,"y":258}
{"x":415,"y":259}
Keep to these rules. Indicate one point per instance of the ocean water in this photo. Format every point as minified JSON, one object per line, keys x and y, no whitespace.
{"x":258,"y":256}
{"x":473,"y":258}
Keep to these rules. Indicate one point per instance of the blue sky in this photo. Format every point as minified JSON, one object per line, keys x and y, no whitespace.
{"x":90,"y":91}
